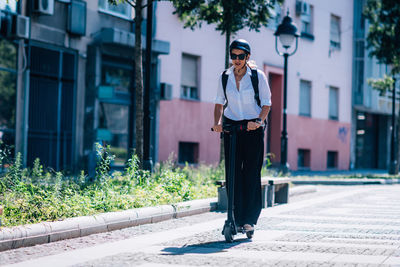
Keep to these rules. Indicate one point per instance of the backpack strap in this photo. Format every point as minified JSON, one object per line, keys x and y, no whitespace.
{"x":254,"y":82}
{"x":224,"y":83}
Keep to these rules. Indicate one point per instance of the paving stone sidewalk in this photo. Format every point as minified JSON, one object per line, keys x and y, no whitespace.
{"x":336,"y":226}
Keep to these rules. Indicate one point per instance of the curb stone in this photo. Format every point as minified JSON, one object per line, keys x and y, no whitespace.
{"x":345,"y":181}
{"x":46,"y":232}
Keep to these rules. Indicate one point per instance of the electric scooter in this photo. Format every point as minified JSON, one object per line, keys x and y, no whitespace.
{"x":230,"y":229}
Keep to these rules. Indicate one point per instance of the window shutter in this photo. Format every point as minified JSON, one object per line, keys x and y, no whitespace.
{"x":333,"y":103}
{"x":189,"y":71}
{"x":335,"y":29}
{"x":305,"y":98}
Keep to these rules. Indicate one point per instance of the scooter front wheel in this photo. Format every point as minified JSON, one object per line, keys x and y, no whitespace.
{"x":228,"y":233}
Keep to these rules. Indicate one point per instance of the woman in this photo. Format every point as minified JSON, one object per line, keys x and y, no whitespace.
{"x":243,"y":107}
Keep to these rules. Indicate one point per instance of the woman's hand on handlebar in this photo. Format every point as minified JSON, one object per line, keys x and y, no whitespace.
{"x":217,"y":128}
{"x":252,"y":125}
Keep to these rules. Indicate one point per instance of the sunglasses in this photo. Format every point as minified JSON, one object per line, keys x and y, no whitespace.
{"x":240,"y":56}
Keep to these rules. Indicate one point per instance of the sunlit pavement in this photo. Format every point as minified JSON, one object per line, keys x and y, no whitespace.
{"x":337,"y":226}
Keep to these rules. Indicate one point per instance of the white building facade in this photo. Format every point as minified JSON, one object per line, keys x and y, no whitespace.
{"x":319,"y":86}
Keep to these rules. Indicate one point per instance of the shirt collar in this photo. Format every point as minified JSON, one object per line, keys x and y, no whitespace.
{"x":230,"y":70}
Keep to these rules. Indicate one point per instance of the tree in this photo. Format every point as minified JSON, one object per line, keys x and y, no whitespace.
{"x":383,"y":85}
{"x":228,"y":16}
{"x":383,"y":40}
{"x":138,"y":6}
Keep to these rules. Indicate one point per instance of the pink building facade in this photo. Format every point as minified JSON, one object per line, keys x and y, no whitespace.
{"x":319,"y":87}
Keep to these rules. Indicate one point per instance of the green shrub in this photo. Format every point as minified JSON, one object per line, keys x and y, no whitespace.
{"x":104,"y":164}
{"x":31,"y":196}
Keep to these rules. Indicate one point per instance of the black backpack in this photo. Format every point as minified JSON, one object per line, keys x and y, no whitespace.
{"x":254,"y":82}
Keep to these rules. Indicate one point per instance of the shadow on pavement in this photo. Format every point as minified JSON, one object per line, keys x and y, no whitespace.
{"x":204,"y":248}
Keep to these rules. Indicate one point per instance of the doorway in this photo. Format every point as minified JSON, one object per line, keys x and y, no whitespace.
{"x":51,"y":107}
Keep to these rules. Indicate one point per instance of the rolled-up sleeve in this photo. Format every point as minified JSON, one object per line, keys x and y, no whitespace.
{"x":264,"y":90}
{"x":220,"y":99}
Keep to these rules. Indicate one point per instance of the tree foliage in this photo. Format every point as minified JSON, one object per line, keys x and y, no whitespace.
{"x":228,"y":16}
{"x":382,"y":85}
{"x":383,"y":38}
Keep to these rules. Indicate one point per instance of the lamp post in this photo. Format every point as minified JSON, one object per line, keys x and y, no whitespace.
{"x":147,"y":118}
{"x":393,"y":159}
{"x":286,"y":32}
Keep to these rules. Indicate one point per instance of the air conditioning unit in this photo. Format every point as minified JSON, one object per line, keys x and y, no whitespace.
{"x":44,"y":6}
{"x":303,"y":8}
{"x":165,"y":91}
{"x":14,"y":26}
{"x":20,"y":27}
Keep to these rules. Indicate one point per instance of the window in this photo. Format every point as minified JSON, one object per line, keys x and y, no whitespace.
{"x":188,"y":152}
{"x":10,"y":5}
{"x":333,"y":103}
{"x":307,"y":22}
{"x":303,"y":158}
{"x":335,"y":32}
{"x":118,"y":78}
{"x":332,"y":159}
{"x":113,"y":129}
{"x":123,"y":10}
{"x":8,"y":100}
{"x":305,"y":98}
{"x":189,"y":77}
{"x":114,"y":102}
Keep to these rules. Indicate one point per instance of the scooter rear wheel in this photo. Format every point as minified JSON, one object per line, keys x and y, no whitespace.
{"x":228,"y":234}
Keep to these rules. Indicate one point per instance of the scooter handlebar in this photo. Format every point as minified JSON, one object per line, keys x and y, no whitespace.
{"x":233,"y":127}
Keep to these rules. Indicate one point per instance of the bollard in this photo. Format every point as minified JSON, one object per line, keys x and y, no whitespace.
{"x":222,"y":198}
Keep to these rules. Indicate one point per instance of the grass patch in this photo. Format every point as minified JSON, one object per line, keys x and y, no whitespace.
{"x":34,"y":195}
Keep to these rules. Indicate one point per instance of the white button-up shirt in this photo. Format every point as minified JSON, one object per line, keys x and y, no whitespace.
{"x":241,"y":103}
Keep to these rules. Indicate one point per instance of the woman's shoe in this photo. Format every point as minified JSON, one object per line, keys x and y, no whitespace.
{"x":248,"y":227}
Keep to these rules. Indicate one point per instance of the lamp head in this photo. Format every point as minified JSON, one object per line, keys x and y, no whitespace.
{"x":287,"y":31}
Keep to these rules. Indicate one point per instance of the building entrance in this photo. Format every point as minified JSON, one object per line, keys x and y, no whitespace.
{"x":51,"y":107}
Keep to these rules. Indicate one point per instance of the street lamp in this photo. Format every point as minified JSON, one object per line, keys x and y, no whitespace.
{"x":147,"y":118}
{"x":393,"y":139}
{"x":286,"y":32}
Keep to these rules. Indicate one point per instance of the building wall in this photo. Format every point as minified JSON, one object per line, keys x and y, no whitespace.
{"x":51,"y":31}
{"x":94,"y":54}
{"x":185,"y":130}
{"x":314,"y":61}
{"x":319,"y":136}
{"x":371,"y":127}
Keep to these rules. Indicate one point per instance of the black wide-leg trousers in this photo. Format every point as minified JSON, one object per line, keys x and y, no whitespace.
{"x":249,"y":159}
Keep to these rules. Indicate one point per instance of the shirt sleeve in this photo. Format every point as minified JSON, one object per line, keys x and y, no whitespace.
{"x":220,"y":99}
{"x":264,"y":90}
